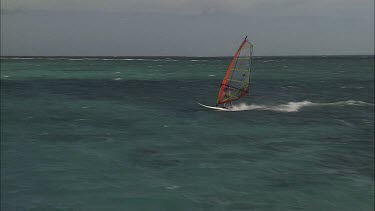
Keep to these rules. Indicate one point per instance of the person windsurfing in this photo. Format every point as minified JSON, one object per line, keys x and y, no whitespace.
{"x":235,"y":84}
{"x":228,"y":94}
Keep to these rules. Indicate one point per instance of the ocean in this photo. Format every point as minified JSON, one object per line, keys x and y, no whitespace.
{"x":127,"y":133}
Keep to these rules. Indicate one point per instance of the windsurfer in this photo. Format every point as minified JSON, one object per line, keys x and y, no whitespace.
{"x":236,"y":81}
{"x":228,"y":95}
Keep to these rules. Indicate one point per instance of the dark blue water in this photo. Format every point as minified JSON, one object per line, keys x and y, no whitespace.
{"x":127,"y":134}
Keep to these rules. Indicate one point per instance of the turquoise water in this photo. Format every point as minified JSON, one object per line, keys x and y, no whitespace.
{"x":127,"y":134}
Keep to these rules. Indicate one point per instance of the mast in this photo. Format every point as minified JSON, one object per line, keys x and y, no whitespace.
{"x":237,"y":78}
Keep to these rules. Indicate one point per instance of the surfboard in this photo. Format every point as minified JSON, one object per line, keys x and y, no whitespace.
{"x":215,"y":108}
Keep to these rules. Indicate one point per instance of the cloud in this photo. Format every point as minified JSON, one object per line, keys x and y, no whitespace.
{"x":199,"y":7}
{"x":186,"y":27}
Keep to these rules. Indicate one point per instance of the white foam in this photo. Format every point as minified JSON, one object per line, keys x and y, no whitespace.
{"x":122,"y":59}
{"x":133,"y":59}
{"x":265,"y":61}
{"x":172,"y":187}
{"x":56,"y":58}
{"x":296,"y":106}
{"x":21,"y":58}
{"x":349,"y":102}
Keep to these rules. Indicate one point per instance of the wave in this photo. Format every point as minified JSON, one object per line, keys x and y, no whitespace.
{"x":265,"y":61}
{"x":296,"y":106}
{"x":98,"y":59}
{"x":132,"y":59}
{"x":122,"y":59}
{"x":19,"y":58}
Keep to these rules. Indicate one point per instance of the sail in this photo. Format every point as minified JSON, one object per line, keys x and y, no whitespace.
{"x":237,"y":79}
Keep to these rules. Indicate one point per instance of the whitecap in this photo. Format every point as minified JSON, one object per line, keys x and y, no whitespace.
{"x":21,"y":58}
{"x":296,"y":106}
{"x":133,"y":59}
{"x":172,"y":187}
{"x":265,"y":61}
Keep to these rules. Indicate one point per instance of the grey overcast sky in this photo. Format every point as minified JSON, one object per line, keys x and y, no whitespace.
{"x":185,"y":27}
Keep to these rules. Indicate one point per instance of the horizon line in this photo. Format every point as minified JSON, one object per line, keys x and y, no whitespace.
{"x":317,"y":55}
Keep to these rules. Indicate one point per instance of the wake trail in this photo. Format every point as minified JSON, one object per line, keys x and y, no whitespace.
{"x":296,"y":106}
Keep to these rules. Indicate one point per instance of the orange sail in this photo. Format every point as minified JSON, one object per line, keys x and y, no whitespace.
{"x":237,"y":79}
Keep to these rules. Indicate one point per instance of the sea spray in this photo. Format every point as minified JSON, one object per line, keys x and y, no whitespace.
{"x":296,"y":106}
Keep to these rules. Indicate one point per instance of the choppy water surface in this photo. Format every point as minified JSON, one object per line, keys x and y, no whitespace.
{"x":128,"y":134}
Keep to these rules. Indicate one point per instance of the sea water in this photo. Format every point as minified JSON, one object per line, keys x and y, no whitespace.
{"x":127,"y":133}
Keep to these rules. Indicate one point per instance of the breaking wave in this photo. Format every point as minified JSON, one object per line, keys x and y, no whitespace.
{"x":296,"y":106}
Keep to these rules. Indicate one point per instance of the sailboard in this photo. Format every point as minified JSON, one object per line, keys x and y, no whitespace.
{"x":214,"y":107}
{"x":236,"y":82}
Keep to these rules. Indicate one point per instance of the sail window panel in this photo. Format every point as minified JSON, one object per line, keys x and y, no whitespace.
{"x":231,"y":93}
{"x":242,"y":76}
{"x":236,"y":85}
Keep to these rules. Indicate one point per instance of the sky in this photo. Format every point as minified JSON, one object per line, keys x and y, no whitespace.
{"x":186,"y":27}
